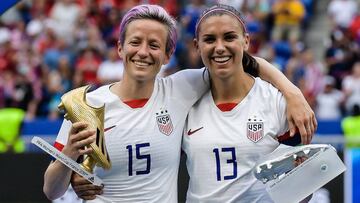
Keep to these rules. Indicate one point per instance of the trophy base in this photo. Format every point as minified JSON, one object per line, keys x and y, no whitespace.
{"x":88,"y":164}
{"x":282,"y":160}
{"x":319,"y":169}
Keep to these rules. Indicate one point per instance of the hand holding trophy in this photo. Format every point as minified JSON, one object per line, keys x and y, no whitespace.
{"x":77,"y":109}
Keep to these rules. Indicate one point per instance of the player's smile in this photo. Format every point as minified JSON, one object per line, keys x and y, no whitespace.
{"x":221,"y":60}
{"x":142,"y":64}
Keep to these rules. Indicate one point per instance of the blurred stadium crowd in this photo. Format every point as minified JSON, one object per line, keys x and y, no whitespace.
{"x":48,"y":47}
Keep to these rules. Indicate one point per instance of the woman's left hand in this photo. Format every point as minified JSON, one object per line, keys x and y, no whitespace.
{"x":300,"y":117}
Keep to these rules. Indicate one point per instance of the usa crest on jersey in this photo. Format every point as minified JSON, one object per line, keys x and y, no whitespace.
{"x":255,"y":130}
{"x":164,"y":122}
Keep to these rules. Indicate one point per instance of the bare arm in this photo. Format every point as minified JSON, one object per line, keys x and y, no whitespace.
{"x":57,"y":175}
{"x":56,"y":185}
{"x":299,"y":113}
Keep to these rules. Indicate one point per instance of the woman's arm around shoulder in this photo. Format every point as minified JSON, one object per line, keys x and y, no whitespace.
{"x":299,"y":113}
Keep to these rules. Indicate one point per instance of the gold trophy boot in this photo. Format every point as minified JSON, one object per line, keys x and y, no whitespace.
{"x":74,"y":103}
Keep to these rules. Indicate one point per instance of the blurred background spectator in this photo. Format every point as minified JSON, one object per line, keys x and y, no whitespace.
{"x":288,"y":16}
{"x":329,"y":101}
{"x":110,"y":70}
{"x":351,"y":88}
{"x":342,"y":12}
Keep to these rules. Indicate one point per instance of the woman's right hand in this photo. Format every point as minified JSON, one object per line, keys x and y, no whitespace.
{"x":79,"y":137}
{"x":84,"y":189}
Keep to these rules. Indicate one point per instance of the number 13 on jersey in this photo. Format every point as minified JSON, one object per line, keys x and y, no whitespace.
{"x":228,"y":152}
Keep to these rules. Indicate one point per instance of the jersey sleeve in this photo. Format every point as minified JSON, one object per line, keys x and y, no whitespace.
{"x":63,"y":135}
{"x":188,"y":85}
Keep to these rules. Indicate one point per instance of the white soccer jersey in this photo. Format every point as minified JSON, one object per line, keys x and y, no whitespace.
{"x":144,"y":144}
{"x":223,"y":147}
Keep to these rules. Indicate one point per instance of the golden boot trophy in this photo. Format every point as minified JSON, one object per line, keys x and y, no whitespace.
{"x":74,"y":103}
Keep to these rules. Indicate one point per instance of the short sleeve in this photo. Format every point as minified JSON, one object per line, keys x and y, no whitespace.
{"x":188,"y":85}
{"x":63,"y":134}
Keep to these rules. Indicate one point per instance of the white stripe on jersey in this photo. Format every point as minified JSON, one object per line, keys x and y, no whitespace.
{"x":221,"y":155}
{"x":144,"y":160}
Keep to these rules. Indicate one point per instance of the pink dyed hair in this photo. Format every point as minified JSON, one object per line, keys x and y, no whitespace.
{"x":151,"y":12}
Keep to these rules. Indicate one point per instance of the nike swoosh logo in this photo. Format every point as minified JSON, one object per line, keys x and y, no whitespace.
{"x":106,"y":129}
{"x":192,"y":132}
